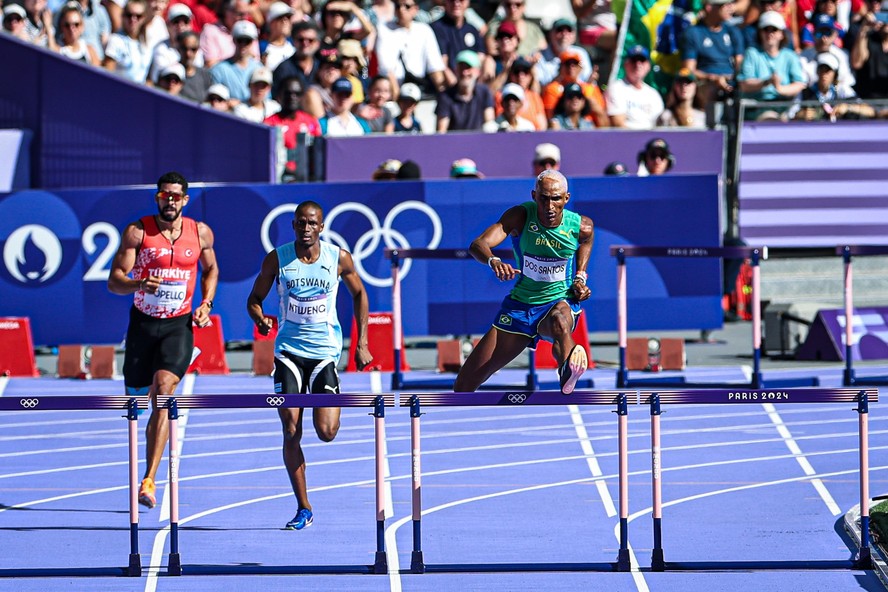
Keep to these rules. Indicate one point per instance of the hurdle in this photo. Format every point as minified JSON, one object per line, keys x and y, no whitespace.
{"x":755,"y":254}
{"x":131,"y":405}
{"x":513,"y":399}
{"x":775,"y":396}
{"x":532,"y":382}
{"x":848,"y":252}
{"x":275,"y":401}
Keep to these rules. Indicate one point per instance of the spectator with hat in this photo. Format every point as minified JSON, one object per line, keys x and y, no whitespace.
{"x":408,"y":99}
{"x":616,"y":169}
{"x":72,"y":45}
{"x":465,"y":168}
{"x":408,"y":51}
{"x":197,"y":78}
{"x":387,"y":170}
{"x":562,"y":37}
{"x":655,"y":159}
{"x":681,"y":106}
{"x":521,"y":73}
{"x":533,"y":40}
{"x":236,"y":71}
{"x":770,"y":72}
{"x":304,"y":62}
{"x":409,"y":171}
{"x":217,"y":40}
{"x":354,"y":67}
{"x":825,"y":15}
{"x":825,"y":36}
{"x":171,"y":79}
{"x":318,"y":98}
{"x":469,"y":104}
{"x":218,"y":98}
{"x":127,"y":54}
{"x":293,"y":121}
{"x":869,"y":58}
{"x":169,"y":51}
{"x":568,"y":73}
{"x":573,"y":111}
{"x":828,"y":94}
{"x":495,"y":67}
{"x":631,"y":102}
{"x":455,"y":34}
{"x":713,"y":50}
{"x":14,"y":22}
{"x":339,"y":120}
{"x":788,"y":9}
{"x":374,"y":110}
{"x":546,"y":156}
{"x":277,"y":47}
{"x":509,"y":120}
{"x":259,"y":106}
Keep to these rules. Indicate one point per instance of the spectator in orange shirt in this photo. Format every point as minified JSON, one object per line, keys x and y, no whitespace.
{"x":568,"y":72}
{"x":521,"y":73}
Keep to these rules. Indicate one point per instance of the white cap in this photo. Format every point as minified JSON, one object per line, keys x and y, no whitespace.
{"x":513,"y":90}
{"x":178,"y":11}
{"x":828,"y":59}
{"x":410,"y":91}
{"x":220,"y":90}
{"x":277,"y":10}
{"x":174,"y":68}
{"x":244,"y":29}
{"x":772,"y":19}
{"x":14,"y":9}
{"x":547,"y":151}
{"x":261,"y":75}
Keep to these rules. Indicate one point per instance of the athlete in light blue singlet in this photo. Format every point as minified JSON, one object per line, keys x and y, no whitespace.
{"x":309,"y":340}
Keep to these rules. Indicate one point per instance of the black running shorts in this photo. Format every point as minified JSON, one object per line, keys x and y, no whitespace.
{"x":156,"y":344}
{"x":295,"y":375}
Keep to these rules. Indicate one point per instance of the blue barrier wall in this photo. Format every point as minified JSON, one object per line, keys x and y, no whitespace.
{"x":57,"y":248}
{"x":94,"y":129}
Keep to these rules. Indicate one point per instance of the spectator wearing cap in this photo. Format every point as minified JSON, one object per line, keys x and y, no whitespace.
{"x":655,"y":159}
{"x":216,"y":39}
{"x":96,"y":28}
{"x":409,"y":171}
{"x":354,"y":67}
{"x":236,"y":71}
{"x":469,"y":104}
{"x":304,"y":63}
{"x":521,"y":73}
{"x":573,"y":110}
{"x":681,"y":107}
{"x":218,"y":98}
{"x":771,"y":72}
{"x":509,"y":120}
{"x":533,"y":40}
{"x":408,"y":98}
{"x":293,"y":121}
{"x":455,"y":34}
{"x":72,"y":45}
{"x":789,"y":10}
{"x":568,"y":73}
{"x":343,"y":19}
{"x":465,"y":168}
{"x":495,"y":67}
{"x":825,"y":36}
{"x":869,"y":58}
{"x":198,"y":79}
{"x":387,"y":170}
{"x":408,"y":51}
{"x":562,"y":38}
{"x":169,"y":51}
{"x":616,"y":169}
{"x":14,"y":17}
{"x":828,"y":95}
{"x":631,"y":102}
{"x":259,"y":106}
{"x":318,"y":98}
{"x":340,"y":121}
{"x":127,"y":53}
{"x":823,"y":8}
{"x":155,"y":23}
{"x":374,"y":110}
{"x":171,"y":79}
{"x":546,"y":156}
{"x":276,"y":46}
{"x":713,"y":50}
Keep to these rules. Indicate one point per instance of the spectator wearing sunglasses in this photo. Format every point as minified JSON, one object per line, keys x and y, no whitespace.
{"x":198,"y":79}
{"x":169,"y":51}
{"x":533,"y":40}
{"x":127,"y":53}
{"x":72,"y":44}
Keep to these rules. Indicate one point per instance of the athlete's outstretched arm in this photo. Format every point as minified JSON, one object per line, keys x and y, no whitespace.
{"x":264,"y":281}
{"x":587,"y":235}
{"x":510,"y":223}
{"x":360,"y":306}
{"x":209,"y":277}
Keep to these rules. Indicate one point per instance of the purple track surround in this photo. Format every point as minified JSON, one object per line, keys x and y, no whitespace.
{"x":70,"y":402}
{"x":514,"y":398}
{"x":742,"y":395}
{"x":273,"y":400}
{"x":702,"y":252}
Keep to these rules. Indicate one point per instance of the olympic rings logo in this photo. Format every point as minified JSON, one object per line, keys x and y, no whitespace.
{"x":517,"y":398}
{"x":29,"y":403}
{"x":275,"y":401}
{"x":369,"y":242}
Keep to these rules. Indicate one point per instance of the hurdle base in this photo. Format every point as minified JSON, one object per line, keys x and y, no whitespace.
{"x":864,"y":559}
{"x":380,"y":566}
{"x":174,"y":567}
{"x":134,"y":569}
{"x":623,"y":563}
{"x":417,"y":565}
{"x":657,"y":561}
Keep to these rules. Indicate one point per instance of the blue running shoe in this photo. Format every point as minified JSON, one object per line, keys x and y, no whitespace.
{"x":572,"y":368}
{"x":302,"y":519}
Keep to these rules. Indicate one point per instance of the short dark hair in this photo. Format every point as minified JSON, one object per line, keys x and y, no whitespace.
{"x":304,"y":205}
{"x":305,"y":26}
{"x":173,"y":177}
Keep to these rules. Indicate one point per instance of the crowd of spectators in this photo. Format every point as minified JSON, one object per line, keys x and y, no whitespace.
{"x":366,"y":66}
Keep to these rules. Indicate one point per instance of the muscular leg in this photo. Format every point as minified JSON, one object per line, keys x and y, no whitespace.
{"x":294,"y":460}
{"x":558,"y":326}
{"x":326,"y":422}
{"x":158,"y":431}
{"x":495,"y":350}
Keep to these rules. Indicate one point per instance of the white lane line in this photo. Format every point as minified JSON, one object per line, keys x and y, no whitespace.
{"x":794,"y":448}
{"x":4,"y":381}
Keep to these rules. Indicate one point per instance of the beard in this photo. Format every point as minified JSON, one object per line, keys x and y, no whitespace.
{"x":168,"y":213}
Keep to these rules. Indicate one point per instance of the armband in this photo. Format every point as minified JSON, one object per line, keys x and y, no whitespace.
{"x":208,"y":302}
{"x":491,"y":260}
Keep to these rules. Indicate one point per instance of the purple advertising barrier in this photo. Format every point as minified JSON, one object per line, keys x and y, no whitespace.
{"x":511,"y":155}
{"x":826,"y":337}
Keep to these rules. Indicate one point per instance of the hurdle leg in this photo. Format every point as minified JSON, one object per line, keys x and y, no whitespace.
{"x":134,"y":568}
{"x":657,"y":562}
{"x":623,"y":563}
{"x":416,"y":562}
{"x":174,"y":567}
{"x":864,"y":558}
{"x":757,"y":380}
{"x":848,"y":378}
{"x":397,"y":345}
{"x":380,"y":566}
{"x":622,"y":373}
{"x":533,"y":381}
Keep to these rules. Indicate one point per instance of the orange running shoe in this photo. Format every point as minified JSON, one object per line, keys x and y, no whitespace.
{"x":146,"y":493}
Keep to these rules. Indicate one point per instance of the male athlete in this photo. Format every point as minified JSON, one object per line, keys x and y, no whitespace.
{"x":309,"y":339}
{"x":545,"y":302}
{"x":162,"y":252}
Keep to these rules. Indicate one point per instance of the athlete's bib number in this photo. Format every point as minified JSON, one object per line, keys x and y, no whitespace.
{"x":169,"y":296}
{"x":544,"y":269}
{"x":307,"y":310}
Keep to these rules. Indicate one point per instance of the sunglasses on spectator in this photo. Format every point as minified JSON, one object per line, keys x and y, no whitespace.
{"x":13,"y":18}
{"x":71,"y":24}
{"x":770,"y":29}
{"x":172,"y":79}
{"x":133,"y":15}
{"x":169,"y":195}
{"x":547,"y":162}
{"x":181,"y":20}
{"x":564,"y":30}
{"x":305,"y":40}
{"x":190,"y":48}
{"x":504,"y":36}
{"x":824,"y":32}
{"x":244,"y":40}
{"x":341,"y":13}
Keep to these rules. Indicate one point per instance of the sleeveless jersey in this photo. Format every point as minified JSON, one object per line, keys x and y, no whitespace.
{"x":175,"y":262}
{"x":308,"y":325}
{"x":545,"y":257}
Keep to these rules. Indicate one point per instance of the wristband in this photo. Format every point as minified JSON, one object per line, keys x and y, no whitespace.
{"x":142,"y":283}
{"x":491,"y":260}
{"x":580,"y":277}
{"x":209,"y":302}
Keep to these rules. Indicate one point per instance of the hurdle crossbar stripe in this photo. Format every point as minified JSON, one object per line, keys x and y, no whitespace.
{"x":862,"y":250}
{"x":273,"y":401}
{"x":514,"y":398}
{"x":70,"y":402}
{"x":742,"y":395}
{"x":701,"y":252}
{"x":439,"y":254}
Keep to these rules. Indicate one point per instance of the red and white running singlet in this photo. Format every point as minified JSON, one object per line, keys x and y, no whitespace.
{"x":175,"y":262}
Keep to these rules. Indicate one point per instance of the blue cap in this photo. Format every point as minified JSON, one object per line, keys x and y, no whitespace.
{"x":824,"y":21}
{"x":573,"y":90}
{"x":638,"y":51}
{"x":342,"y":85}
